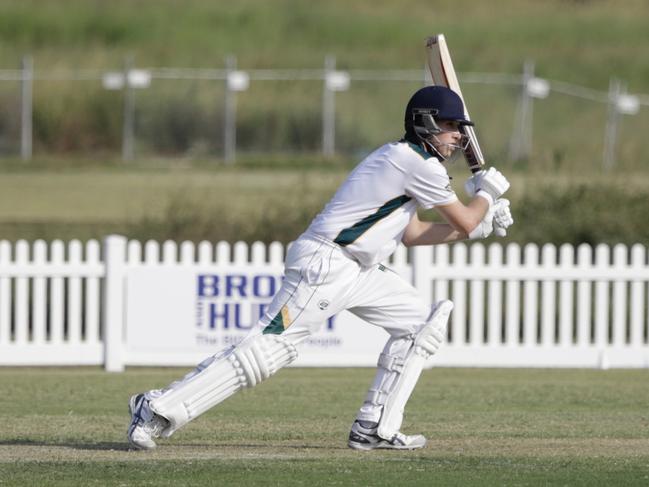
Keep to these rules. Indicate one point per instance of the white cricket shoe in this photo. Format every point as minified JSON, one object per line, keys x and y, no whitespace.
{"x":363,"y":437}
{"x":145,"y":424}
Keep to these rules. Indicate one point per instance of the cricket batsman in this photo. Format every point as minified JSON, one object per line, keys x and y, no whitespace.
{"x":336,"y":264}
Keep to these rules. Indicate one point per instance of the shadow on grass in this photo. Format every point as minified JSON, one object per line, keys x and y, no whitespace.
{"x":256,"y":446}
{"x":118,"y":446}
{"x":77,"y":445}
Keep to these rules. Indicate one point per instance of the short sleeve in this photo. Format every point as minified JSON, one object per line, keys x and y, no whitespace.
{"x":429,"y":183}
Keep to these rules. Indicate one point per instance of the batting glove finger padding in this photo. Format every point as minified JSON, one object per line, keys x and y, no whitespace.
{"x":502,"y":218}
{"x":429,"y":340}
{"x":490,"y":181}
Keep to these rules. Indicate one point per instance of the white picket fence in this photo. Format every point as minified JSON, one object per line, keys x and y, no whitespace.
{"x":50,"y":303}
{"x":64,"y":303}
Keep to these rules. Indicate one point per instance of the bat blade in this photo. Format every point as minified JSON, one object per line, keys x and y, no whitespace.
{"x":443,"y":74}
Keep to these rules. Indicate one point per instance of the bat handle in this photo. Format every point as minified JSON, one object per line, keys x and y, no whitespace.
{"x":472,"y":161}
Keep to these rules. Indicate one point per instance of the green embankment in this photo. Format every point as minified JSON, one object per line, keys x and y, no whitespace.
{"x":576,"y":41}
{"x":581,"y":42}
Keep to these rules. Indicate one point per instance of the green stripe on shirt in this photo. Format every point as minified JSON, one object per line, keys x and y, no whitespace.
{"x":349,"y":235}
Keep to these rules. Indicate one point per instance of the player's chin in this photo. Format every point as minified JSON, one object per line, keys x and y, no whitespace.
{"x":447,"y":152}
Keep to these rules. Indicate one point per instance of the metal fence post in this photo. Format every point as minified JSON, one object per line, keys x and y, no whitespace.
{"x":128,"y":133}
{"x":230,"y":114}
{"x":26,"y":86}
{"x":612,"y":119}
{"x":113,"y":312}
{"x":520,"y":145}
{"x":328,"y":110}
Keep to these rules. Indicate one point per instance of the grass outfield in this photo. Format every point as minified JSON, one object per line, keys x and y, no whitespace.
{"x":485,"y":427}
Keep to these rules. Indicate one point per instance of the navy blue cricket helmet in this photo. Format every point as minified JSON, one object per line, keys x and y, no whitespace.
{"x":430,"y":104}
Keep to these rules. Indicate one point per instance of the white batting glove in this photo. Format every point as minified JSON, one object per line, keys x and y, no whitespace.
{"x":485,"y":227}
{"x":502,"y":218}
{"x":490,"y":184}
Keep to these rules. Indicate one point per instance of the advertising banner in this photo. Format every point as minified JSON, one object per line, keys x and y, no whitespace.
{"x":178,"y":315}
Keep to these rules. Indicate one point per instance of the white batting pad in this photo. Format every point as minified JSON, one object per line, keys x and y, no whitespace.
{"x":399,"y":377}
{"x":218,"y":377}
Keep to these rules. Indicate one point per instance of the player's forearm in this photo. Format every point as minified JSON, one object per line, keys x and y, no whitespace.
{"x":427,"y":233}
{"x":464,"y":218}
{"x":476,"y":210}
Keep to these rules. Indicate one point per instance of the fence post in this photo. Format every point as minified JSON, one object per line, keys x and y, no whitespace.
{"x":328,"y":111}
{"x":520,"y":144}
{"x":5,"y":294}
{"x":612,"y":120}
{"x":128,"y":128}
{"x":230,"y":114}
{"x":422,"y":261}
{"x":113,"y":310}
{"x":26,"y":84}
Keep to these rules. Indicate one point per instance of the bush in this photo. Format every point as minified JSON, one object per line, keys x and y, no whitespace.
{"x":278,"y":218}
{"x":583,"y":213}
{"x":280,"y":207}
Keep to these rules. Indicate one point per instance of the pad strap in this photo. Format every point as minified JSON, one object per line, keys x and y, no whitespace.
{"x":392,"y":363}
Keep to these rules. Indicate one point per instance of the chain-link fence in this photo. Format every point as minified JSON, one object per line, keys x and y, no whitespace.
{"x":224,"y":112}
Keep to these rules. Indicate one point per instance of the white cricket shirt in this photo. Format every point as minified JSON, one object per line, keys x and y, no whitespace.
{"x":370,"y":211}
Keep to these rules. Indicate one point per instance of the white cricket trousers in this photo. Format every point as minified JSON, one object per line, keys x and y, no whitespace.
{"x":322,"y":279}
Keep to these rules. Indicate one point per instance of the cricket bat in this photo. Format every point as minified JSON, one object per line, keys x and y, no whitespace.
{"x":443,"y":74}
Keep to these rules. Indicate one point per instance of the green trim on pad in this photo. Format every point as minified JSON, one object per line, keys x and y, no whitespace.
{"x":275,"y":327}
{"x":349,"y":235}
